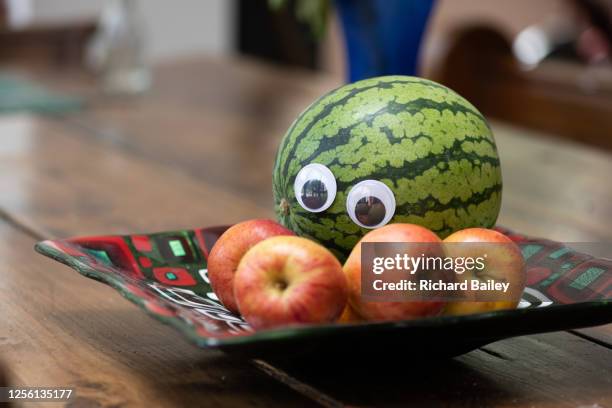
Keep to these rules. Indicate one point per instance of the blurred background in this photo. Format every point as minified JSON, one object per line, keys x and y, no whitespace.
{"x":551,"y":55}
{"x":128,"y":116}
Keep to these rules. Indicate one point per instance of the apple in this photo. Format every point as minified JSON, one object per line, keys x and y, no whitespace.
{"x":382,"y":310}
{"x":349,"y":315}
{"x":228,"y":251}
{"x":504,"y":263}
{"x":289,"y":280}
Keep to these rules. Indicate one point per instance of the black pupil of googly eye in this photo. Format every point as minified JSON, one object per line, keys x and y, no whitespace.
{"x":370,"y":211}
{"x":314,"y":194}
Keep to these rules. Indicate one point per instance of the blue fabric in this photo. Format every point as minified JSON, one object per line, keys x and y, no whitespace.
{"x":383,"y":37}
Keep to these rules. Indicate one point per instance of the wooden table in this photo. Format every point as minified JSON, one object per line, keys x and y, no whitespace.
{"x":198,"y":150}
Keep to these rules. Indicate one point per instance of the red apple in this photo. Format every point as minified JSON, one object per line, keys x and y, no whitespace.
{"x":504,"y":263}
{"x":289,"y":280}
{"x":389,"y":310}
{"x":227,"y":252}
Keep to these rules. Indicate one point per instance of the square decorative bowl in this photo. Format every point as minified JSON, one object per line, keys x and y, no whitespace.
{"x":165,"y":274}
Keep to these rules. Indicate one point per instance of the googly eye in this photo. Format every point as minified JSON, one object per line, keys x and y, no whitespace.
{"x":315,"y":187}
{"x":370,"y":204}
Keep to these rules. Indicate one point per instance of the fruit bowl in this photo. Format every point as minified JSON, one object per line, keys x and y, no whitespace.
{"x":165,"y":274}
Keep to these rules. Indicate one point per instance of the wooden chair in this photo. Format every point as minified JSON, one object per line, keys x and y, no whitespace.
{"x":43,"y":45}
{"x":558,"y":96}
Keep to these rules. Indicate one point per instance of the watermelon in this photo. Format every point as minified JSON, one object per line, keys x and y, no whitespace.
{"x":433,"y":150}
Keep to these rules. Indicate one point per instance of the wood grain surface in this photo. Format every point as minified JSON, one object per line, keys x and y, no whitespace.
{"x":197,"y":151}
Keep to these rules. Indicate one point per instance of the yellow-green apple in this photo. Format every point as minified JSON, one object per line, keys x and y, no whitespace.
{"x":504,"y":264}
{"x":389,"y":310}
{"x":229,"y":249}
{"x":289,"y":280}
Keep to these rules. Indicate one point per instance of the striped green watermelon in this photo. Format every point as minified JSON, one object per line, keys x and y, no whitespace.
{"x":427,"y":144}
